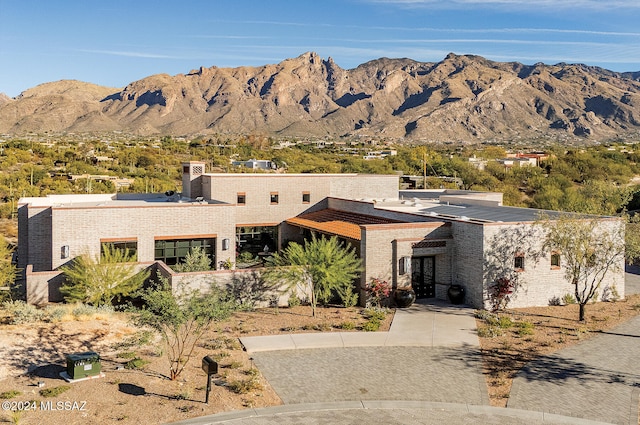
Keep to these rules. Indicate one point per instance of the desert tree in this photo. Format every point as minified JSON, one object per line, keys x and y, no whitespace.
{"x":182,"y":318}
{"x":632,"y":238}
{"x":8,"y":270}
{"x":101,"y":280}
{"x":590,"y":248}
{"x":502,"y":276}
{"x":322,"y":267}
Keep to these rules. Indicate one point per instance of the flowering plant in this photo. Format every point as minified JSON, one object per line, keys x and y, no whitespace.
{"x":379,"y":290}
{"x":500,"y":293}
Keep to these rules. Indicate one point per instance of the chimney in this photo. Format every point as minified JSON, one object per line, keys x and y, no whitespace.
{"x":192,"y":172}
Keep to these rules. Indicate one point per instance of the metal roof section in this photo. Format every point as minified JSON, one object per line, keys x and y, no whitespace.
{"x":336,"y":222}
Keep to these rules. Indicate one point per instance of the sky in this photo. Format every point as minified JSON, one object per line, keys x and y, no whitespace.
{"x":113,"y":43}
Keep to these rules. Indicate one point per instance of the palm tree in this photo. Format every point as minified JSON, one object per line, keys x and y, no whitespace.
{"x":322,"y":267}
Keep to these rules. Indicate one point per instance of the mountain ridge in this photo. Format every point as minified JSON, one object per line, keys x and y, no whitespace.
{"x":461,"y":98}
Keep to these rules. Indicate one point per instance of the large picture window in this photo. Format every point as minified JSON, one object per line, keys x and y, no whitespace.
{"x":252,"y":240}
{"x":173,"y":251}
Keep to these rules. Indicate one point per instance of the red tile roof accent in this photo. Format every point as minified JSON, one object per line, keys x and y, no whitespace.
{"x":336,"y":222}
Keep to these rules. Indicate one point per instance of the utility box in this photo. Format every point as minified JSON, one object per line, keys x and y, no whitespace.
{"x":83,"y":365}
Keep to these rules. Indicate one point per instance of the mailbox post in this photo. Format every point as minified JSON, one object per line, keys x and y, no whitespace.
{"x":210,"y":367}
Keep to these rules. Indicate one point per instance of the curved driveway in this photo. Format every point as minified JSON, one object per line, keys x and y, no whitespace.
{"x":427,"y":370}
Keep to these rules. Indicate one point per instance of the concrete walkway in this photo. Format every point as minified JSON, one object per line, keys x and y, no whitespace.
{"x":433,"y":324}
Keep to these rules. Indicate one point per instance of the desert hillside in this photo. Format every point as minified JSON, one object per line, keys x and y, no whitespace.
{"x":459,"y":98}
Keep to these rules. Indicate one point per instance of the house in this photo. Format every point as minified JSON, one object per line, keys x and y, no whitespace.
{"x":427,"y":239}
{"x":255,"y":164}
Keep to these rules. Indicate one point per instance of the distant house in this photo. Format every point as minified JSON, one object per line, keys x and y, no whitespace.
{"x":256,"y":164}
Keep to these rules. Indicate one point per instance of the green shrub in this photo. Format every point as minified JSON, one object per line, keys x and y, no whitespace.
{"x":293,"y":300}
{"x":222,"y":343}
{"x":245,"y":257}
{"x":85,"y":310}
{"x":54,"y":391}
{"x":252,"y":372}
{"x":489,"y":331}
{"x":55,"y":313}
{"x":505,"y":322}
{"x":22,"y":313}
{"x":136,"y":363}
{"x":234,"y":365}
{"x":185,"y":395}
{"x":127,"y":355}
{"x":482,"y":314}
{"x":244,"y":386}
{"x":219,"y":356}
{"x":348,"y":297}
{"x":9,"y":394}
{"x":136,"y":340}
{"x":372,"y":325}
{"x":347,"y":326}
{"x":555,"y":301}
{"x":568,"y":299}
{"x":525,"y":328}
{"x":374,"y":314}
{"x":323,"y":327}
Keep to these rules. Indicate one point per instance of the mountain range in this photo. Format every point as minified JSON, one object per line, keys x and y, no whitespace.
{"x":461,"y":98}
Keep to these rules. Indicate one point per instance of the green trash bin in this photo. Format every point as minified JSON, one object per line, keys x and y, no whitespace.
{"x":83,"y":365}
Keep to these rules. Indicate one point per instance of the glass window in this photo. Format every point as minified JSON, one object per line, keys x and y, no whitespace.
{"x":130,"y":247}
{"x":306,"y":197}
{"x":252,"y":240}
{"x":519,"y":262}
{"x":555,"y":260}
{"x":274,"y":197}
{"x":242,"y":199}
{"x":173,"y":251}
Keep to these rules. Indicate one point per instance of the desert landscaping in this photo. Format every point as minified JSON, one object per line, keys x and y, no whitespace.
{"x":136,"y":388}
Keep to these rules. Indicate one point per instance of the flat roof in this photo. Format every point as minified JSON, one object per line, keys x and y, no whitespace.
{"x":474,"y":211}
{"x":113,"y":200}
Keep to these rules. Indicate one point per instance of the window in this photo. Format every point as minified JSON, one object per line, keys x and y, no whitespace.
{"x":242,"y":198}
{"x":173,"y":251}
{"x":252,"y":240}
{"x":518,"y":263}
{"x":130,"y":247}
{"x":274,"y":197}
{"x":306,"y":197}
{"x":555,"y":260}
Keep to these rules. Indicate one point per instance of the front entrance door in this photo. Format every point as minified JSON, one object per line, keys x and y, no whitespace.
{"x":423,"y":276}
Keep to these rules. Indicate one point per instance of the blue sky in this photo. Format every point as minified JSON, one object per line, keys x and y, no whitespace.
{"x":115,"y":42}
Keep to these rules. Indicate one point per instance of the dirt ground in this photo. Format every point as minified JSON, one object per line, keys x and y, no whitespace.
{"x":531,"y":332}
{"x":35,"y":353}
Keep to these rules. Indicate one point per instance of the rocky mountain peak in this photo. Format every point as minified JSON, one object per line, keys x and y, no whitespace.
{"x":462,"y":97}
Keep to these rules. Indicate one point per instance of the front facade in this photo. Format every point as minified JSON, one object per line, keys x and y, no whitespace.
{"x":429,"y":240}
